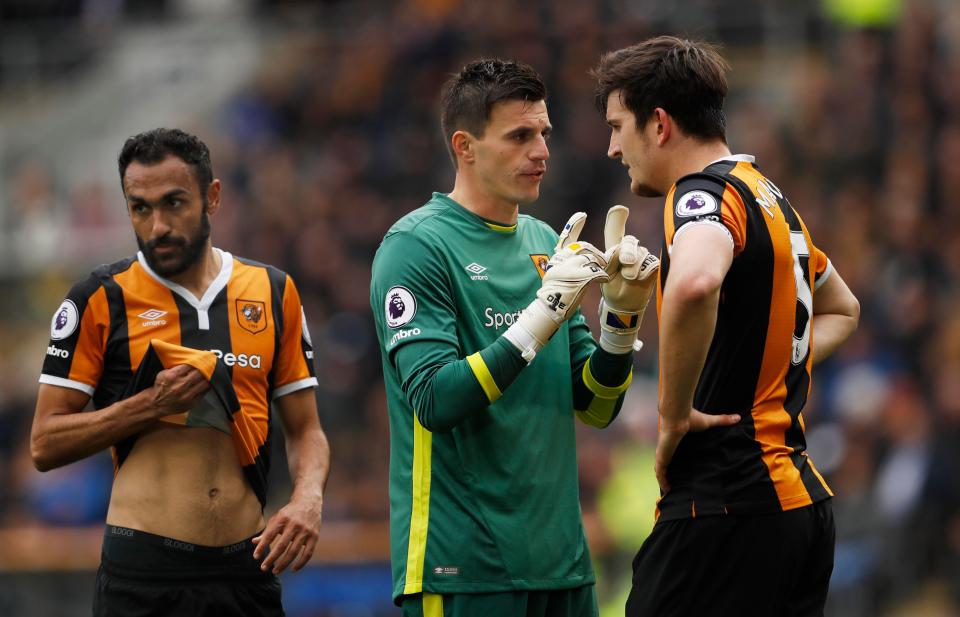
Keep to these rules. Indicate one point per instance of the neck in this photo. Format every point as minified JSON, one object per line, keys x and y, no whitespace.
{"x":472,"y":197}
{"x":200,"y":275}
{"x":694,"y":156}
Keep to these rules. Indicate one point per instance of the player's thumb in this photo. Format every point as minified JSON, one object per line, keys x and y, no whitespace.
{"x":571,"y":231}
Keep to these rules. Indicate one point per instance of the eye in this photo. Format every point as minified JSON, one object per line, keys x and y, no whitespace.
{"x":139,"y":208}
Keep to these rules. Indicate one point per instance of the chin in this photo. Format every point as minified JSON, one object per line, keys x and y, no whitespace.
{"x":645,"y":190}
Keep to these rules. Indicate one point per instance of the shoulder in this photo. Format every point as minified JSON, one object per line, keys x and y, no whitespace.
{"x":242,"y":263}
{"x":425,"y":221}
{"x":101,"y":276}
{"x":416,"y":237}
{"x":535,"y":226}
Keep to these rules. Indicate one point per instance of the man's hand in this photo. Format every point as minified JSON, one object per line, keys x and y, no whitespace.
{"x":290,"y":536}
{"x":625,"y":296}
{"x":574,"y":265}
{"x":176,"y":389}
{"x":672,"y":432}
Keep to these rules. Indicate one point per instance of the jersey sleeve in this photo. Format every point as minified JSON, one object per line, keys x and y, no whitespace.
{"x":702,"y":199}
{"x":411,"y":294}
{"x":822,"y":267}
{"x":417,"y":325}
{"x":78,"y":336}
{"x":294,"y":361}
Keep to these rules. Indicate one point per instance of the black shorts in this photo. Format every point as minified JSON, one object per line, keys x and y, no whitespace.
{"x":144,"y":574}
{"x":749,"y":566}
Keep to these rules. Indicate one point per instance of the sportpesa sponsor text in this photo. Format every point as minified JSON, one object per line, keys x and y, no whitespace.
{"x":496,"y":319}
{"x":242,"y":360}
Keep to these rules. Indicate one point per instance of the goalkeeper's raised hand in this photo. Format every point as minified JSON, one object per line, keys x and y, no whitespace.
{"x":573,"y":266}
{"x":625,"y":295}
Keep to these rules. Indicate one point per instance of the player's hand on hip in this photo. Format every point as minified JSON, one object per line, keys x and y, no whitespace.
{"x":671,"y":433}
{"x":290,"y":536}
{"x":573,"y":266}
{"x":700,"y":421}
{"x":176,"y":389}
{"x":668,"y":439}
{"x":633,"y":271}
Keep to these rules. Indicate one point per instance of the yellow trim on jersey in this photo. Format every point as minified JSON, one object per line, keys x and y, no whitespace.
{"x":432,"y":605}
{"x":506,"y":229}
{"x":600,"y":410}
{"x":482,"y":373}
{"x":420,"y":507}
{"x":601,"y":391}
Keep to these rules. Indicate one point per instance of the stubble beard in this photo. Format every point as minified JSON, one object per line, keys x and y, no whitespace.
{"x":191,"y":249}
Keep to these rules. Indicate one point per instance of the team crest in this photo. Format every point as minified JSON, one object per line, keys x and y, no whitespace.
{"x":540,"y":262}
{"x":400,"y":306}
{"x":696,"y":203}
{"x":250,"y":315}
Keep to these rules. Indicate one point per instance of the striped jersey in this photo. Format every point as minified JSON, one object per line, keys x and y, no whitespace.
{"x":759,"y":361}
{"x":492,"y":504}
{"x":250,"y":318}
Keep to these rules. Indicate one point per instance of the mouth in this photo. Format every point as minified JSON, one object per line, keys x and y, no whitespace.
{"x":165,"y":250}
{"x":534,"y":175}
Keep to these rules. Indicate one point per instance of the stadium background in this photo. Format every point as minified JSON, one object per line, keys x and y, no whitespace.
{"x":322,"y":122}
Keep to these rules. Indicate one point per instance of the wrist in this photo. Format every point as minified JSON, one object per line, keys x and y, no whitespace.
{"x":674,"y":422}
{"x":533,"y":329}
{"x":619,"y":328}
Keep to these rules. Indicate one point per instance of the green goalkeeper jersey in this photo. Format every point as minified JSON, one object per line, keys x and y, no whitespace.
{"x":483,"y":471}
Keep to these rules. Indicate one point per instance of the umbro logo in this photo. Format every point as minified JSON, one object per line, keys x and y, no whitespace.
{"x":152,"y":318}
{"x":477,"y":272}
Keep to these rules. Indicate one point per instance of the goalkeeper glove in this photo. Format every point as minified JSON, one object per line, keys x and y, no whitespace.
{"x":625,"y":295}
{"x":572,"y":267}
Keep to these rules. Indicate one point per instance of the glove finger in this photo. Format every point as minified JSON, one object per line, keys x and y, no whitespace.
{"x":615,"y":226}
{"x":649,"y":265}
{"x":631,"y":257}
{"x":571,"y":231}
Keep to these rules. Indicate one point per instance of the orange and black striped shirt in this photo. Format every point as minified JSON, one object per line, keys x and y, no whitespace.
{"x":250,"y":318}
{"x":758,"y":364}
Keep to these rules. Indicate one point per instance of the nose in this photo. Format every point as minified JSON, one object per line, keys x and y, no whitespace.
{"x":613,"y":151}
{"x":159,"y":225}
{"x":540,"y":151}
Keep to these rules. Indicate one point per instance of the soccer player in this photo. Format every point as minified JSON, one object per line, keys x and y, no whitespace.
{"x":747,"y":305}
{"x":183,"y":348}
{"x":487,"y":360}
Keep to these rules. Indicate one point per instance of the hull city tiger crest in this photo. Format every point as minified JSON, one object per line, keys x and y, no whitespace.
{"x":540,"y":261}
{"x":250,"y":315}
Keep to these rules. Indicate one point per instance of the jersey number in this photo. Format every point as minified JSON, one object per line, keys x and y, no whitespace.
{"x":801,"y":327}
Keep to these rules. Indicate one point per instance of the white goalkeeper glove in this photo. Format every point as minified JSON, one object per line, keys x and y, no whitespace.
{"x":572,"y":267}
{"x":625,"y":295}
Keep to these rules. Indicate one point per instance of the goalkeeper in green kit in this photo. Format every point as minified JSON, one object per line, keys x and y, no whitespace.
{"x":487,"y":362}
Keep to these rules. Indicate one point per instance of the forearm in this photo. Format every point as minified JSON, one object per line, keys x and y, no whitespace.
{"x":447,"y":394}
{"x":68,"y":435}
{"x":600,"y":385}
{"x":829,"y":332}
{"x":308,"y":456}
{"x":687,"y":326}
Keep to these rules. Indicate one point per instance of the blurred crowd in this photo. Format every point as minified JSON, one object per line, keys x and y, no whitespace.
{"x":337,"y":136}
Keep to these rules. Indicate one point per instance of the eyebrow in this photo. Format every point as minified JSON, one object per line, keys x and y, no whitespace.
{"x":165,"y":197}
{"x":524,"y":130}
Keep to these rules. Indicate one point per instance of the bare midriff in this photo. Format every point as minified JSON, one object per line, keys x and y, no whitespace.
{"x":187,"y":484}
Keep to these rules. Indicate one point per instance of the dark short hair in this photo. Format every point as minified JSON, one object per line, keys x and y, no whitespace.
{"x":686,"y":78}
{"x":468,"y":96}
{"x":154,"y":146}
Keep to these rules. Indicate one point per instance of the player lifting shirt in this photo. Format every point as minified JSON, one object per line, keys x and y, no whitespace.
{"x":182,"y":349}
